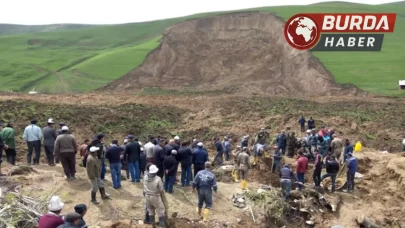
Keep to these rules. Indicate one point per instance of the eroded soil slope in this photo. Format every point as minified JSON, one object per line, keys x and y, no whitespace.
{"x":243,"y":51}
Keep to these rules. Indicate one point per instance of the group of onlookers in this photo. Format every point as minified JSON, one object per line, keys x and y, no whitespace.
{"x":54,"y":218}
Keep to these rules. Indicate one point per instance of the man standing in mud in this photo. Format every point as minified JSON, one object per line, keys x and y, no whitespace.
{"x":262,"y":137}
{"x":160,"y":155}
{"x":351,"y":171}
{"x":227,"y":147}
{"x":200,"y":157}
{"x":2,"y":146}
{"x":83,"y":152}
{"x":302,"y":121}
{"x":93,"y":168}
{"x":152,"y":190}
{"x":243,"y":165}
{"x":291,"y":144}
{"x":301,"y":168}
{"x":311,"y":123}
{"x":336,"y":146}
{"x":65,"y":150}
{"x":49,"y":142}
{"x":148,"y":148}
{"x":205,"y":182}
{"x":132,"y":156}
{"x":332,"y":169}
{"x":8,"y":136}
{"x":282,"y":142}
{"x":218,"y":160}
{"x":33,"y":136}
{"x":98,"y":142}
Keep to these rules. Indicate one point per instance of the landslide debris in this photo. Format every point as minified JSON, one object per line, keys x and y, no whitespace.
{"x":244,"y":51}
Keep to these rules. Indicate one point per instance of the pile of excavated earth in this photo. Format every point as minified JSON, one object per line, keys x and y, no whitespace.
{"x":234,"y":64}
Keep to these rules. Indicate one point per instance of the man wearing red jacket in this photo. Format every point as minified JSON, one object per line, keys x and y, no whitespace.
{"x":302,"y":166}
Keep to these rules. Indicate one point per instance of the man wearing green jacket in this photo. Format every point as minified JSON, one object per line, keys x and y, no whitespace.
{"x":8,"y":136}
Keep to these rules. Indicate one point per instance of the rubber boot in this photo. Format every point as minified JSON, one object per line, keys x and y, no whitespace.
{"x":148,"y":219}
{"x":93,"y":198}
{"x":199,"y":211}
{"x":236,"y":177}
{"x":103,"y":194}
{"x":152,"y":221}
{"x":206,"y":213}
{"x":233,"y":173}
{"x":162,"y":221}
{"x":244,"y":184}
{"x":254,"y":160}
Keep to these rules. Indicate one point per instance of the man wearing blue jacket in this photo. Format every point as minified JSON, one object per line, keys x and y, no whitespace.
{"x":205,"y":182}
{"x":200,"y":157}
{"x":351,"y":171}
{"x":282,"y":142}
{"x":113,"y":155}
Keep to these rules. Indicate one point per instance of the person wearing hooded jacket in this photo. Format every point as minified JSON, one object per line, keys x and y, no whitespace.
{"x":152,"y":190}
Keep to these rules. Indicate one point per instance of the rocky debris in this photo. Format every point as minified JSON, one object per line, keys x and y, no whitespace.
{"x":239,"y":200}
{"x":21,"y":170}
{"x":224,"y":173}
{"x":117,"y":224}
{"x":366,"y":222}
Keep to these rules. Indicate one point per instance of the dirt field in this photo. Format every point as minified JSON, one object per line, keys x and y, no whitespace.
{"x":377,"y":122}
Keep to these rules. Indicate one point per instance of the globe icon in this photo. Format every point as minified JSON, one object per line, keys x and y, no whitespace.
{"x":302,"y":32}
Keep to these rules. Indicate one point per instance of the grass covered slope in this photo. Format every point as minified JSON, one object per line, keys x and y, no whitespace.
{"x":85,"y":59}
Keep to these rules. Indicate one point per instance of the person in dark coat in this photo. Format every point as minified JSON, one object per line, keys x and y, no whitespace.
{"x":169,"y":147}
{"x":311,"y":123}
{"x":98,"y":141}
{"x":282,"y":142}
{"x":170,"y":166}
{"x":132,"y":155}
{"x":49,"y":142}
{"x":82,"y":210}
{"x":142,"y":162}
{"x":302,"y":121}
{"x":71,"y":220}
{"x":113,"y":155}
{"x":332,"y":169}
{"x":160,"y":155}
{"x":185,"y":156}
{"x":317,"y":168}
{"x":200,"y":156}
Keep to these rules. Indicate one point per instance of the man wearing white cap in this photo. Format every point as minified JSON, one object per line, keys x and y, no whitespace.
{"x":93,"y":168}
{"x":66,"y":149}
{"x":52,"y":219}
{"x":152,"y":190}
{"x":200,"y":156}
{"x":49,"y":141}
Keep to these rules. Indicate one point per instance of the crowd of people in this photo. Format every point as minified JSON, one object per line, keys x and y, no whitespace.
{"x":158,"y":160}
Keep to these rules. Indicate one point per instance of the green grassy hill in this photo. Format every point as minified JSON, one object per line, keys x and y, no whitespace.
{"x":11,"y":29}
{"x":85,"y":59}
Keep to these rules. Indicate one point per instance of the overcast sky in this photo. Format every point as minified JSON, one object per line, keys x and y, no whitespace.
{"x":124,"y":11}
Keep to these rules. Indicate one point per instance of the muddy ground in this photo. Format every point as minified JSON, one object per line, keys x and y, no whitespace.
{"x":378,"y":123}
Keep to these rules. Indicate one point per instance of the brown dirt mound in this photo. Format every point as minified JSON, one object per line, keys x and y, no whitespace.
{"x":244,"y":50}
